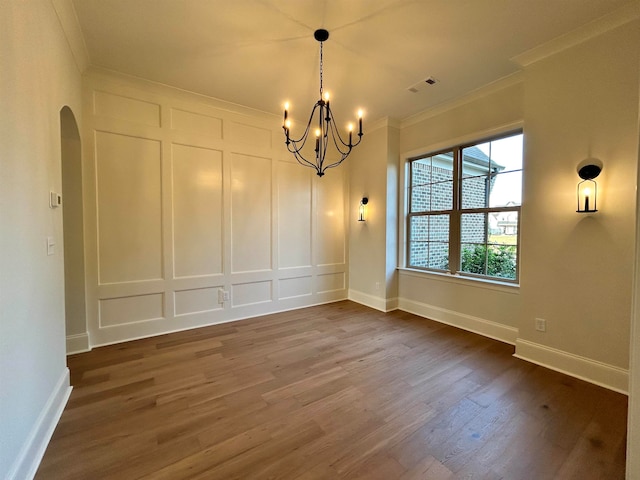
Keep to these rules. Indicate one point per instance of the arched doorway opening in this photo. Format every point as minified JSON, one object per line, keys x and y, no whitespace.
{"x":73,"y":234}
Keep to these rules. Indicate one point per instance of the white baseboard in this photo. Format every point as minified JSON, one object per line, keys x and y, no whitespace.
{"x":602,"y":374}
{"x":478,"y":325}
{"x":382,"y":304}
{"x":26,"y":465}
{"x":78,"y":343}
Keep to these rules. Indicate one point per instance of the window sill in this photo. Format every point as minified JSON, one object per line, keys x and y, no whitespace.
{"x":504,"y":287}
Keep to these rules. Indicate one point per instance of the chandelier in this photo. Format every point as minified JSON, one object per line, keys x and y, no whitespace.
{"x":326,"y":132}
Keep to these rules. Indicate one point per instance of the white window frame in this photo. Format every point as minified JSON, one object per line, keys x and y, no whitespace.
{"x":403,"y":223}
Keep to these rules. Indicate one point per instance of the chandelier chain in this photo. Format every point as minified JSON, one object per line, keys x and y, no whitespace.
{"x":321,"y":65}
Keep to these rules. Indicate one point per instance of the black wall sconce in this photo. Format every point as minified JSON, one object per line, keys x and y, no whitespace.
{"x":362,"y":209}
{"x":588,"y":188}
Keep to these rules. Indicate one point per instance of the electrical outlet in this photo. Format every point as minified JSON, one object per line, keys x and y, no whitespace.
{"x":226,"y":296}
{"x":541,"y":325}
{"x":377,"y":286}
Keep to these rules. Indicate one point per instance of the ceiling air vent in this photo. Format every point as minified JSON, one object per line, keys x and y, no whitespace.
{"x":421,"y":85}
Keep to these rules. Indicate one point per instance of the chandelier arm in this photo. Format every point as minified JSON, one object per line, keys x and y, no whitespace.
{"x":333,"y":165}
{"x":304,"y":162}
{"x":335,"y":136}
{"x":343,"y":156}
{"x":300,"y":158}
{"x":337,"y":133}
{"x":305,"y":134}
{"x":326,"y":127}
{"x":295,"y":146}
{"x":298,"y":155}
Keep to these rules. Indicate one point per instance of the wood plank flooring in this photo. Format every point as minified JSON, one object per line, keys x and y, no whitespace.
{"x":329,"y":392}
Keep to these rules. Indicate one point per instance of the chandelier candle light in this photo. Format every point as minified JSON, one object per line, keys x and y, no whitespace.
{"x":326,"y":131}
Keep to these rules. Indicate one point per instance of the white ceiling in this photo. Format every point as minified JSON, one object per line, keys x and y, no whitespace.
{"x":261,"y":53}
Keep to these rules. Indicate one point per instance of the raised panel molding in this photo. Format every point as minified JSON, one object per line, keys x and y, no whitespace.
{"x":125,"y":108}
{"x":196,"y":300}
{"x":196,"y":123}
{"x":295,"y":287}
{"x":250,"y":135}
{"x":129,"y":208}
{"x":330,"y":220}
{"x":127,"y":310}
{"x":251,"y":213}
{"x":294,"y":215}
{"x":187,"y":197}
{"x":331,"y":282}
{"x":243,"y":294}
{"x":197,"y":210}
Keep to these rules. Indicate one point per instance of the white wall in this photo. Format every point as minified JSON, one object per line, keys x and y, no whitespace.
{"x":38,"y":77}
{"x":186,"y":196}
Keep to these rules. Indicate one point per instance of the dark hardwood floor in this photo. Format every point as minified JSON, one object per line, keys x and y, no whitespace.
{"x":329,"y":392}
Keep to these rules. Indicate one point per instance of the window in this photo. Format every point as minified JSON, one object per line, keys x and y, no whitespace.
{"x":464,"y":209}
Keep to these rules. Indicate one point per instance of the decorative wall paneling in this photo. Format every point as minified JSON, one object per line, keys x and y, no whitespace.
{"x":188,"y":198}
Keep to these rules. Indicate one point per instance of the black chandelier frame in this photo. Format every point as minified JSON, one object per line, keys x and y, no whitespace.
{"x":326,"y":132}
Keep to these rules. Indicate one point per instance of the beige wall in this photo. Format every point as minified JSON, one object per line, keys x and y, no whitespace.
{"x":477,"y":306}
{"x":73,"y":233}
{"x":575,"y":272}
{"x":633,"y":420}
{"x":484,"y":112}
{"x":37,"y":79}
{"x":187,"y":196}
{"x":373,"y":243}
{"x":577,"y":268}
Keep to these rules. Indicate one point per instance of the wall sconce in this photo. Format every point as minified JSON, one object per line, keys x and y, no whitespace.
{"x":588,"y":188}
{"x":362,"y":209}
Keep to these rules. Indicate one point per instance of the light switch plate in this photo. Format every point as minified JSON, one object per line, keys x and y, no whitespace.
{"x":51,"y":246}
{"x":55,"y":199}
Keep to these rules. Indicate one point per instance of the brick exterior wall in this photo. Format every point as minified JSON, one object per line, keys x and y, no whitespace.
{"x":432,"y":190}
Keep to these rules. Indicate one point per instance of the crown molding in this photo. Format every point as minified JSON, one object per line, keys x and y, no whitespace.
{"x":384,"y":122}
{"x":68,"y":19}
{"x":150,"y":87}
{"x":504,"y":82}
{"x":588,"y":31}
